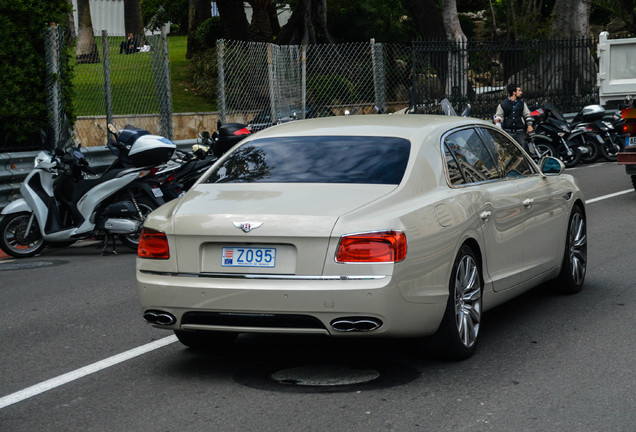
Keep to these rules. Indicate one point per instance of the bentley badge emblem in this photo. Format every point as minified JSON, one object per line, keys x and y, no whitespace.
{"x":247,"y":226}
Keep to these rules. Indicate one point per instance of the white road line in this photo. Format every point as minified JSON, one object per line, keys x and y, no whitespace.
{"x":82,"y":372}
{"x":604,"y":197}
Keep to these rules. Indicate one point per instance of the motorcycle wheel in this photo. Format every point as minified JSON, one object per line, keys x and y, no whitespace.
{"x":570,"y":160}
{"x":544,"y":149}
{"x":15,"y":241}
{"x":610,"y":150}
{"x":132,"y":240}
{"x":590,"y":144}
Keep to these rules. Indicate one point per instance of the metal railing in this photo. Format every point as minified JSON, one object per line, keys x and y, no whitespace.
{"x":264,"y":83}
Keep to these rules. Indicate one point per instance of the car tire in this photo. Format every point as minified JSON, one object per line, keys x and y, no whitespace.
{"x":574,"y":266}
{"x":205,"y":340}
{"x":458,"y":333}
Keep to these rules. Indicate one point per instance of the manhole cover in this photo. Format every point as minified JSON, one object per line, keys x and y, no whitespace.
{"x":325,"y":378}
{"x":324,"y":375}
{"x":27,"y":265}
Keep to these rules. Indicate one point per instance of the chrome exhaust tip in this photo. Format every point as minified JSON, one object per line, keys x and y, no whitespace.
{"x":356,"y":324}
{"x":159,"y":317}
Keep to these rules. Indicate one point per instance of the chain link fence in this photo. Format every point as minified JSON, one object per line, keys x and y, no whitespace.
{"x":123,"y":78}
{"x":263,"y":84}
{"x":59,"y":127}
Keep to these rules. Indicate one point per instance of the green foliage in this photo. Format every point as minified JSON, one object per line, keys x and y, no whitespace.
{"x":157,"y":12}
{"x":361,"y":20}
{"x":330,"y":89}
{"x":208,"y":32}
{"x":23,"y":96}
{"x":205,"y":74}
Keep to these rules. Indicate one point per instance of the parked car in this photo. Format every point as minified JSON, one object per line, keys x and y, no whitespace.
{"x":375,"y":225}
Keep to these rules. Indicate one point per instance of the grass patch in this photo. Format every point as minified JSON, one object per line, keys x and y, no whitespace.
{"x":135,"y":81}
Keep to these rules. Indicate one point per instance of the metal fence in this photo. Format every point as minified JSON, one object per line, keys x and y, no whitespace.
{"x":259,"y":82}
{"x":264,"y":83}
{"x":125,"y":81}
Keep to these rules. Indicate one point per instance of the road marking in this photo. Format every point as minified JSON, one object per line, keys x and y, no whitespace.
{"x":82,"y":372}
{"x":604,"y":197}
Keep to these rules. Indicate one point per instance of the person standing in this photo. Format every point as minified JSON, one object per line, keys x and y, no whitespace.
{"x":514,"y":116}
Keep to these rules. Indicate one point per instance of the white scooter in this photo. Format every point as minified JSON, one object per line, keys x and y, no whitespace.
{"x":60,"y":206}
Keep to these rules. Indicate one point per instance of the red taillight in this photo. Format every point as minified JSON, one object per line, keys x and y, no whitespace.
{"x":243,"y":131}
{"x":630,"y":128}
{"x":387,"y":246}
{"x":153,"y":244}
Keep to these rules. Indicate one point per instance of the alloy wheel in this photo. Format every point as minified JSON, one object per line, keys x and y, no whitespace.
{"x":467,"y":300}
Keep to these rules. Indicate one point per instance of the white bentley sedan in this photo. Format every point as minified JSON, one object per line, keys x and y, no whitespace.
{"x":368,"y":226}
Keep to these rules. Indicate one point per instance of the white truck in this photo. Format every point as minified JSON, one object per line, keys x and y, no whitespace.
{"x":617,"y":84}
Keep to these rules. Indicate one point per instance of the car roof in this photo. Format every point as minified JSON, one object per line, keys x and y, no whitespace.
{"x":397,"y":125}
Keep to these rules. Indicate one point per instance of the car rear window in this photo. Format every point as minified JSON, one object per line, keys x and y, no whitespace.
{"x":316,"y":159}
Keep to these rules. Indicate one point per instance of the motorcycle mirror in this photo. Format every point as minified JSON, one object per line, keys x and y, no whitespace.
{"x":205,"y":135}
{"x":112,"y":129}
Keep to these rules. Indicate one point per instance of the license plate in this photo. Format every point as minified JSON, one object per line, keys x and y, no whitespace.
{"x":158,"y":193}
{"x":630,"y":141}
{"x":248,"y":257}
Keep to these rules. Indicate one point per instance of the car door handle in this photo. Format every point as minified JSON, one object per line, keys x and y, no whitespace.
{"x":485,"y":215}
{"x":528,"y":203}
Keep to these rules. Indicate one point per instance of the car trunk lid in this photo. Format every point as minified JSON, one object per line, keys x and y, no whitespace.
{"x":291,"y":223}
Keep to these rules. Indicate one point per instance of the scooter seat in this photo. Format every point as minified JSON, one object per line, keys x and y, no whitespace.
{"x":85,"y":185}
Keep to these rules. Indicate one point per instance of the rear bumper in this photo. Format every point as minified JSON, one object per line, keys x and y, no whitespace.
{"x":304,"y":305}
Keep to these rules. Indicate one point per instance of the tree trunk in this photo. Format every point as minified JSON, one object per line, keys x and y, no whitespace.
{"x":426,"y":17}
{"x":307,"y":25}
{"x":457,"y":79}
{"x":260,"y":27}
{"x":572,"y":18}
{"x":70,"y":22}
{"x":133,"y":21}
{"x":233,"y":19}
{"x":273,"y":18}
{"x":451,"y":22}
{"x":198,"y":11}
{"x":86,"y":49}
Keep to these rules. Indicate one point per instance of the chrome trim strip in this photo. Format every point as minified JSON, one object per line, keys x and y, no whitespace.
{"x":261,"y":276}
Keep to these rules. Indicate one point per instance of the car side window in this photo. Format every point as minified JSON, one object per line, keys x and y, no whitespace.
{"x":467,"y":158}
{"x":510,"y":159}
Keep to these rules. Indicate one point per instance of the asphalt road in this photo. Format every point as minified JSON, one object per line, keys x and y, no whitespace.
{"x":76,"y":356}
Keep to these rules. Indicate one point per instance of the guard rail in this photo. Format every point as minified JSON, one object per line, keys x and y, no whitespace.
{"x":14,"y":167}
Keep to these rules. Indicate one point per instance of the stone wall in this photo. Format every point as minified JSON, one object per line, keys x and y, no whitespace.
{"x":91,"y":130}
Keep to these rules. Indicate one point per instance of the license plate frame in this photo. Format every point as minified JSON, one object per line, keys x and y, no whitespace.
{"x":244,"y":256}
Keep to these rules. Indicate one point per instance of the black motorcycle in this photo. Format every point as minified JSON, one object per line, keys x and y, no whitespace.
{"x":550,"y":123}
{"x":190,"y":166}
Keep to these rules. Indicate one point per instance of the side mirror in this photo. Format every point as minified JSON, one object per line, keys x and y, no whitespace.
{"x":551,"y":166}
{"x":205,"y":135}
